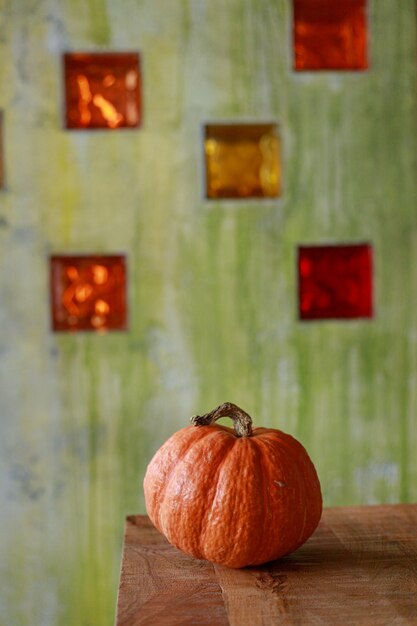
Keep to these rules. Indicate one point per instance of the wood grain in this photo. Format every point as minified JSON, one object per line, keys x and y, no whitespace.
{"x":161,"y":585}
{"x":359,"y":568}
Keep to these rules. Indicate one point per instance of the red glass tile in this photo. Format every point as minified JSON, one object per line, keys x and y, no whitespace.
{"x":242,"y":161}
{"x":102,"y":90}
{"x":335,"y":281}
{"x":330,"y":35}
{"x":88,"y":293}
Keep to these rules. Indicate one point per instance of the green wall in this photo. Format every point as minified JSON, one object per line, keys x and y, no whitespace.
{"x":212,"y":286}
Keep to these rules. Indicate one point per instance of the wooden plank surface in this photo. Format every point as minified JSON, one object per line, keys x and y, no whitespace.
{"x":161,"y":585}
{"x":359,"y":568}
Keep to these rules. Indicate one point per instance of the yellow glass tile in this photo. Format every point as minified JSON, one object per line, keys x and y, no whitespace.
{"x":242,"y":161}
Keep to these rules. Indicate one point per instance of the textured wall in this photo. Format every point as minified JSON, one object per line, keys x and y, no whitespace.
{"x":212,"y":285}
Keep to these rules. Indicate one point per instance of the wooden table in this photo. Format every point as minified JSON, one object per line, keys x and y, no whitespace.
{"x":359,"y":567}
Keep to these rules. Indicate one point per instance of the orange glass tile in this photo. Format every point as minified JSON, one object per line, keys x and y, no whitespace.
{"x":102,"y":90}
{"x":330,"y":35}
{"x":88,"y":293}
{"x":242,"y":161}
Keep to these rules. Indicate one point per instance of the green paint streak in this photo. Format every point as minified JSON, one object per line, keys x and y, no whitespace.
{"x":100,"y":27}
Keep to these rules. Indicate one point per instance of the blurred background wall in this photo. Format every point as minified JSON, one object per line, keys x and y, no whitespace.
{"x":211,"y":285}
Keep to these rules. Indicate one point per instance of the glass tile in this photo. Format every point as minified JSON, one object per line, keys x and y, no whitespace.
{"x":335,"y":281}
{"x":242,"y":161}
{"x":102,"y":90}
{"x":330,"y":35}
{"x":88,"y":293}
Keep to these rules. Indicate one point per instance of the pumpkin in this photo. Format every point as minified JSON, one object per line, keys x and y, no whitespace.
{"x":235,"y":497}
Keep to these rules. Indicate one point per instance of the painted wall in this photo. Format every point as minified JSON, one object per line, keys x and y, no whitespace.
{"x":212,"y":286}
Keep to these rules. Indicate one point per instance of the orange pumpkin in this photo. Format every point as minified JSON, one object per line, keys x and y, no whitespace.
{"x":238,"y":498}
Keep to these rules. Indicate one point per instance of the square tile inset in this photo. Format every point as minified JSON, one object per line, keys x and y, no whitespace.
{"x":330,"y":35}
{"x":335,"y":282}
{"x":88,"y":293}
{"x":242,"y":161}
{"x":102,"y":90}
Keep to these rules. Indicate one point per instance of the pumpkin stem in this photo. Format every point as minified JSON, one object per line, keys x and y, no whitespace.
{"x":242,"y":422}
